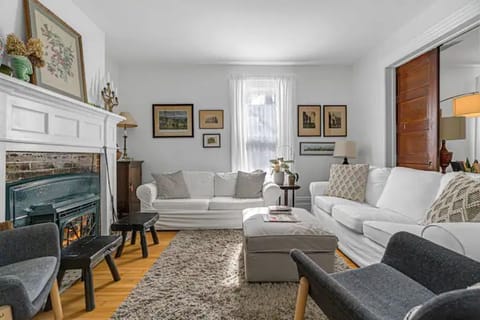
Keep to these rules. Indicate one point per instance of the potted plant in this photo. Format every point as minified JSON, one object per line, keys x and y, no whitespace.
{"x":292,"y":177}
{"x":24,"y":57}
{"x":280,"y":167}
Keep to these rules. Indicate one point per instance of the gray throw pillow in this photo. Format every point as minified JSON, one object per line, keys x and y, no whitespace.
{"x":249,"y":185}
{"x":458,"y":202}
{"x":348,"y":181}
{"x":171,"y":186}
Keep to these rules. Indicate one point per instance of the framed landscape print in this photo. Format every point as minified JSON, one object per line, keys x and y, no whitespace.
{"x":211,"y":140}
{"x":211,"y":119}
{"x":309,"y":120}
{"x":335,"y":121}
{"x":172,"y":120}
{"x":317,"y":148}
{"x":64,"y":69}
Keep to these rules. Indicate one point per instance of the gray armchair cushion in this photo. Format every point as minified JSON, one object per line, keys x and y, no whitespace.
{"x":377,"y":284}
{"x":33,"y":273}
{"x":35,"y":248}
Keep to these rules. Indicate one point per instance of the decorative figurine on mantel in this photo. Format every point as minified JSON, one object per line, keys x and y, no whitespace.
{"x":111,"y":101}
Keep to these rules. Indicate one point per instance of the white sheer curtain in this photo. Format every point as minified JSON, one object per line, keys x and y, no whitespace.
{"x":262,"y":119}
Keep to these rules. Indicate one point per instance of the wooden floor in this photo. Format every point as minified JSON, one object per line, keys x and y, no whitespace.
{"x":110,"y":294}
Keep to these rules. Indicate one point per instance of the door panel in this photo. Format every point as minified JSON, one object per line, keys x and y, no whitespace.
{"x":418,"y":112}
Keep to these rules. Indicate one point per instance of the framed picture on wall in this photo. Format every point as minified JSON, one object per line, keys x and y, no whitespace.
{"x":335,"y":121}
{"x":172,"y":120}
{"x":211,"y":119}
{"x":309,"y":120}
{"x":211,"y":140}
{"x":64,"y":70}
{"x":317,"y":148}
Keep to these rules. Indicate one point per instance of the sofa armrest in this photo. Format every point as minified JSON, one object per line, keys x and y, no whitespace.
{"x":147,"y":193}
{"x":318,"y":188}
{"x":35,"y":241}
{"x":435,"y":267}
{"x":459,"y":237}
{"x":271,"y":192}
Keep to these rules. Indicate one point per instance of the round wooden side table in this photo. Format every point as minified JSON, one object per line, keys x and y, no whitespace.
{"x":285,"y":189}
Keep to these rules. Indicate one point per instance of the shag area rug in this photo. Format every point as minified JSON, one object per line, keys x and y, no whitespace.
{"x":201,"y":276}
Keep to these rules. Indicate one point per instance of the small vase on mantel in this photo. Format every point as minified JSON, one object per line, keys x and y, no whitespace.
{"x":22,"y":67}
{"x":279,"y":177}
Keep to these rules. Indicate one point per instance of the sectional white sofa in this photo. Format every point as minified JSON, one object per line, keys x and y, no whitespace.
{"x":212,"y":204}
{"x":396,"y":200}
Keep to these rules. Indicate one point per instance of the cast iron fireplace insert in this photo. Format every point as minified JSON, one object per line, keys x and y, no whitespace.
{"x":72,"y":201}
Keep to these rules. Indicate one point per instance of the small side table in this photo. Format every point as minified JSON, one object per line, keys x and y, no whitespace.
{"x":285,"y":189}
{"x":136,"y":222}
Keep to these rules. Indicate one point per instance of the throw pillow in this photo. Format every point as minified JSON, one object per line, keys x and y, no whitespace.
{"x":171,"y":186}
{"x":249,"y":185}
{"x":225,"y":183}
{"x":348,"y":181}
{"x":458,"y":202}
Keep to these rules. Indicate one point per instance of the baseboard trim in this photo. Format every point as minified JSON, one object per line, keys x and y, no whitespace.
{"x":303,"y":202}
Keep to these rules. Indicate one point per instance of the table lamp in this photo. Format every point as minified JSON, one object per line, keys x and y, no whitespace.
{"x":345,"y":150}
{"x":129,"y":122}
{"x":451,"y":128}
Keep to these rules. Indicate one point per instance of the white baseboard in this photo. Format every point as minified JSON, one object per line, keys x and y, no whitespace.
{"x":303,"y":202}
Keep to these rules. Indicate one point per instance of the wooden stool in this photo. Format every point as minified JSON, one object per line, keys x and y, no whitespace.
{"x":84,"y":254}
{"x":137,"y":222}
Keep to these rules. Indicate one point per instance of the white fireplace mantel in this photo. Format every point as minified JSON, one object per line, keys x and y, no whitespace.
{"x":39,"y":120}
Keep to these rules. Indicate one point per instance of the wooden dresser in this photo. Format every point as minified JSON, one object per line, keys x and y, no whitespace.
{"x":129,"y":177}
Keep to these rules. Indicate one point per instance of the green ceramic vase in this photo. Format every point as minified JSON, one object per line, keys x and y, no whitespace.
{"x":22,"y":67}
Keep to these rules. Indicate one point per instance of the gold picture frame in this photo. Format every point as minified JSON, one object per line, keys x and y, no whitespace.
{"x":210,"y":119}
{"x":64,"y":70}
{"x":172,"y":120}
{"x":335,"y":121}
{"x":309,"y":120}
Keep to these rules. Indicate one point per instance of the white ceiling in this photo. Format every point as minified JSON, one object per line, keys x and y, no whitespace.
{"x":462,"y":51}
{"x":247,"y":31}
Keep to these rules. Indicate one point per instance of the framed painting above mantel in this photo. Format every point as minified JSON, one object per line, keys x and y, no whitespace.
{"x":172,"y":120}
{"x":64,"y":71}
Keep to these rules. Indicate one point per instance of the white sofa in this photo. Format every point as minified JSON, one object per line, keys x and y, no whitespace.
{"x":396,"y":200}
{"x":212,"y":204}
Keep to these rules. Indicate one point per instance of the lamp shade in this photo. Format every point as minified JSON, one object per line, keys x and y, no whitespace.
{"x":452,"y":128}
{"x":467,"y":106}
{"x":129,"y":121}
{"x":345,"y":149}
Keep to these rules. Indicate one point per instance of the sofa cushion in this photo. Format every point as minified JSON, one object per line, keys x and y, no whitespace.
{"x":377,"y":178}
{"x":348,"y":181}
{"x":181,"y":204}
{"x":380,"y":231}
{"x":33,"y":273}
{"x":353,"y":217}
{"x":326,"y":203}
{"x":459,"y":202}
{"x":410,"y":192}
{"x":224,"y":184}
{"x":249,"y":184}
{"x":199,"y":183}
{"x":230,"y":203}
{"x":171,"y":185}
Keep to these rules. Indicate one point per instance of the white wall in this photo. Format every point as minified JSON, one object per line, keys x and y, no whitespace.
{"x":369,"y":74}
{"x":93,"y":38}
{"x":207,"y":87}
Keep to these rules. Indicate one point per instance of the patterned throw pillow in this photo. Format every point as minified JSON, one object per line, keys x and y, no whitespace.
{"x":459,"y":202}
{"x":348,"y":181}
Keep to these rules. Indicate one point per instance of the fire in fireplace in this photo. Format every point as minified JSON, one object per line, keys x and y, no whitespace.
{"x":72,"y":201}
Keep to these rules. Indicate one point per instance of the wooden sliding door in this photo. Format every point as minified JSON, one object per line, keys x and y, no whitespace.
{"x":418,"y":112}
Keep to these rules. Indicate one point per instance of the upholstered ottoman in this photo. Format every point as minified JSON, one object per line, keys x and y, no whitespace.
{"x":266,"y":245}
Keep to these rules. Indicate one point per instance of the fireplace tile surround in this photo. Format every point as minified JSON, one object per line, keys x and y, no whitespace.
{"x":36,"y":121}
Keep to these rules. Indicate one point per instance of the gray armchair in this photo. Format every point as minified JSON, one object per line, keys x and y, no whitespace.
{"x":413,"y":272}
{"x":29,"y":263}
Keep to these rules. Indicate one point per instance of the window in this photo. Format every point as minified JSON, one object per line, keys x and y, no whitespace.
{"x":262,"y":120}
